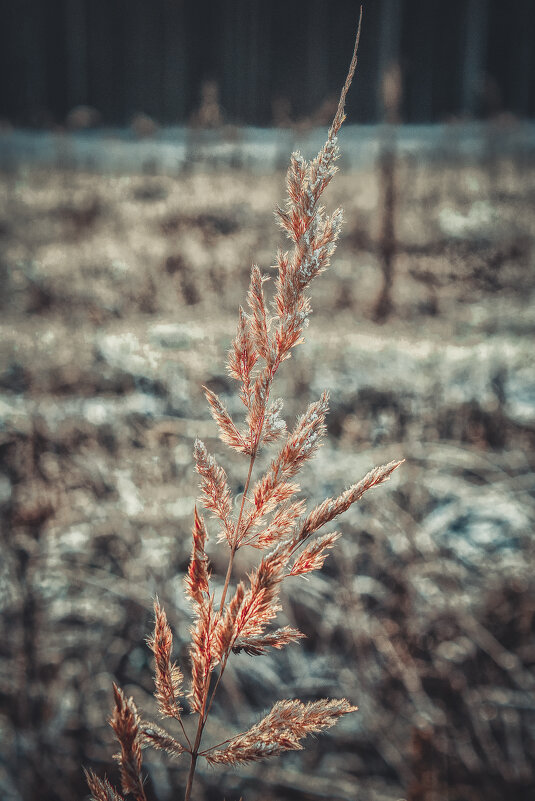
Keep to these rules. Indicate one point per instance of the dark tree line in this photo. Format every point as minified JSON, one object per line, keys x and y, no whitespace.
{"x":470,"y":57}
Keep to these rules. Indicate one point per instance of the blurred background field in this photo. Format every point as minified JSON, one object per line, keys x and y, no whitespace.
{"x":119,"y":300}
{"x":124,"y":255}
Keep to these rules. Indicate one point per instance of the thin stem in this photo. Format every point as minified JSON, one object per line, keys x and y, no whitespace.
{"x":225,"y":660}
{"x":191,"y":774}
{"x":198,"y":737}
{"x":202,"y":714}
{"x":216,"y":685}
{"x":227,"y":578}
{"x":185,"y":735}
{"x":218,"y":745}
{"x":235,"y":546}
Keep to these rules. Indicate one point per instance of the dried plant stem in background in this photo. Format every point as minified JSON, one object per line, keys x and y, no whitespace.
{"x":270,"y":514}
{"x":391,"y":92}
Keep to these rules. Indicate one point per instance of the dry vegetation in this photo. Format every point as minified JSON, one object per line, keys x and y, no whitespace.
{"x":119,"y":299}
{"x":265,"y":515}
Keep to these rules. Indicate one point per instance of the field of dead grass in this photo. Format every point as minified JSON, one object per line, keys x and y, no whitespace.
{"x":118,"y":301}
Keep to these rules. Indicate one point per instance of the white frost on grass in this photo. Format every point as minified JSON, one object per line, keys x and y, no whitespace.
{"x":128,"y":493}
{"x":126,"y":351}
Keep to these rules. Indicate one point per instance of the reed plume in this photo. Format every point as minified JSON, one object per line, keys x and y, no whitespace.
{"x":270,"y":515}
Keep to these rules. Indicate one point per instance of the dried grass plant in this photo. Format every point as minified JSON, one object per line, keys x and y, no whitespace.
{"x":271,"y":518}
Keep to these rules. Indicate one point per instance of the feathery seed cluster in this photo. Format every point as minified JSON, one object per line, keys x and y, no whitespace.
{"x":272,"y":518}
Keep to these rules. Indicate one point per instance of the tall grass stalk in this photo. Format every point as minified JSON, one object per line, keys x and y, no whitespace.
{"x":271,"y":518}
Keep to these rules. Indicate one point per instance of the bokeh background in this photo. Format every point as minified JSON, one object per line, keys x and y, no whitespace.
{"x":142,"y":150}
{"x":269,"y":59}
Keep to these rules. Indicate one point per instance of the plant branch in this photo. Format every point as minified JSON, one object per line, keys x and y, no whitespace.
{"x":235,"y":546}
{"x":204,"y":714}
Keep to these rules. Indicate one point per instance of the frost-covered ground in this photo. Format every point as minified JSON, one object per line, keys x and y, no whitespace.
{"x":119,"y":295}
{"x":170,"y":150}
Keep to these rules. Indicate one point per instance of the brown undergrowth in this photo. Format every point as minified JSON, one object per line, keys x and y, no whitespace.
{"x":271,"y":517}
